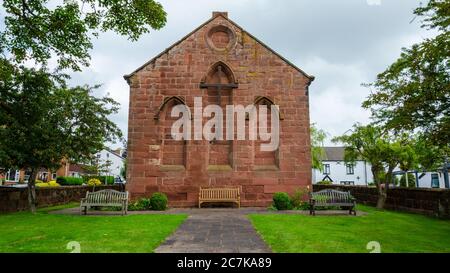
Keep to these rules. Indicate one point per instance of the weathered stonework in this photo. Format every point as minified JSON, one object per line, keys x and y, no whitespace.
{"x":257,"y":75}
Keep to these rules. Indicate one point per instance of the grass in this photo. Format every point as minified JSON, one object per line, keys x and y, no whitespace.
{"x":44,"y":232}
{"x":396,"y":232}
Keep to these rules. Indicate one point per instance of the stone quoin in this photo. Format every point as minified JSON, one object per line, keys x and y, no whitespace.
{"x":224,"y":65}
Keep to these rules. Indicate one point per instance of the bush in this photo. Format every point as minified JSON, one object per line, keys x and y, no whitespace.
{"x":109,"y":180}
{"x":281,"y":201}
{"x":299,"y":197}
{"x":141,"y":204}
{"x":324,"y":183}
{"x":41,"y":184}
{"x":94,"y":182}
{"x":158,"y":201}
{"x":69,"y":180}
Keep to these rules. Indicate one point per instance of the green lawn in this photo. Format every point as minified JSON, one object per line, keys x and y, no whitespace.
{"x":43,"y":232}
{"x":396,"y":232}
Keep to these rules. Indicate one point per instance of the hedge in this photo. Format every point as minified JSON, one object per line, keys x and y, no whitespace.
{"x":69,"y":180}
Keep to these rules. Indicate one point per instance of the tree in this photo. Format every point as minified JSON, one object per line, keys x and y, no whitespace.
{"x":35,"y":30}
{"x":414,"y":92}
{"x":43,"y":121}
{"x":318,"y":136}
{"x":377,"y":147}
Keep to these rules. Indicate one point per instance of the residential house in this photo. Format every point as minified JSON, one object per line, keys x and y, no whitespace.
{"x":336,"y":170}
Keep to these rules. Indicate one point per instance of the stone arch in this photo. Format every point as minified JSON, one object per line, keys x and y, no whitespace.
{"x":210,"y":76}
{"x":263,"y":160}
{"x":172,"y":152}
{"x":263,"y":100}
{"x":167,"y":100}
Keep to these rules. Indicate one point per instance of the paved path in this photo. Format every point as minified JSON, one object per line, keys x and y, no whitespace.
{"x":213,"y":231}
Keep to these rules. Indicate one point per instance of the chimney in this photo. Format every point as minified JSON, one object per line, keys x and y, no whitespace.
{"x":217,"y":13}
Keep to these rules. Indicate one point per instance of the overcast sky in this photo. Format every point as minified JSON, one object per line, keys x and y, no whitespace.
{"x":343,"y":43}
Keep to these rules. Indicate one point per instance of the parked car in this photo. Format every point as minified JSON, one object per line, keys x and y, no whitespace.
{"x":119,"y":180}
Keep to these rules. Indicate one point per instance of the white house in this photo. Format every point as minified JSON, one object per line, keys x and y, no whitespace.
{"x":337,"y":171}
{"x":340,"y":173}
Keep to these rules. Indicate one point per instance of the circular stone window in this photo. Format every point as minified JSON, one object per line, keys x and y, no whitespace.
{"x":221,"y":38}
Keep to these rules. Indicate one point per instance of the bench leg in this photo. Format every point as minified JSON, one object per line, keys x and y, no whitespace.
{"x":199,"y":204}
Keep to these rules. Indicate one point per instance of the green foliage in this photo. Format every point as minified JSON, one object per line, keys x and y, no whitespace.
{"x":411,"y":181}
{"x":299,"y":198}
{"x":69,"y":181}
{"x":140,"y":205}
{"x":413,"y":93}
{"x":36,"y":30}
{"x":318,"y":136}
{"x":281,"y":201}
{"x":158,"y":201}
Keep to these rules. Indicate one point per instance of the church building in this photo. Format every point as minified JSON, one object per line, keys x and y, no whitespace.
{"x":221,"y":64}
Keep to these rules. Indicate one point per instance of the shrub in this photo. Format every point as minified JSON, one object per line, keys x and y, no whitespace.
{"x":141,"y":204}
{"x":94,"y":182}
{"x":109,"y":180}
{"x":69,"y":180}
{"x":281,"y":201}
{"x":158,"y":201}
{"x":324,"y":183}
{"x":47,"y":184}
{"x":299,"y":197}
{"x":53,"y":183}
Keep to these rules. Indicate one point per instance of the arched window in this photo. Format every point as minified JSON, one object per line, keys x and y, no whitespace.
{"x":173,"y":152}
{"x":265,"y":160}
{"x":219,"y":83}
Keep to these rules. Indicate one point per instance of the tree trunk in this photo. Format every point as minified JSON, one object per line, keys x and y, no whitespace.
{"x":382,"y":196}
{"x":32,"y":190}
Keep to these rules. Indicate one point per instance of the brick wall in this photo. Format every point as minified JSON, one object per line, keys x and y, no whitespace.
{"x":16,"y":199}
{"x":434,"y":202}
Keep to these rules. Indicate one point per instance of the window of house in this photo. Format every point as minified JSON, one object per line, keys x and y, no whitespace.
{"x":350,"y":169}
{"x":12,"y":175}
{"x":326,"y":169}
{"x":53,"y":176}
{"x":434,"y":180}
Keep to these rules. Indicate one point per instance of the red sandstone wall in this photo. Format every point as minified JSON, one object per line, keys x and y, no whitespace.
{"x":179,"y":72}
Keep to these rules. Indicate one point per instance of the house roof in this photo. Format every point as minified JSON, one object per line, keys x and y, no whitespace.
{"x":225,"y":16}
{"x":335,"y":154}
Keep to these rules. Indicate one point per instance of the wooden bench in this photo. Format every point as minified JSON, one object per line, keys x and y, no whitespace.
{"x":328,"y":198}
{"x":105,"y":198}
{"x":231,"y":195}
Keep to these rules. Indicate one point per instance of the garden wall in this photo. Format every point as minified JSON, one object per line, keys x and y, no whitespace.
{"x":434,"y":202}
{"x":16,"y":199}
